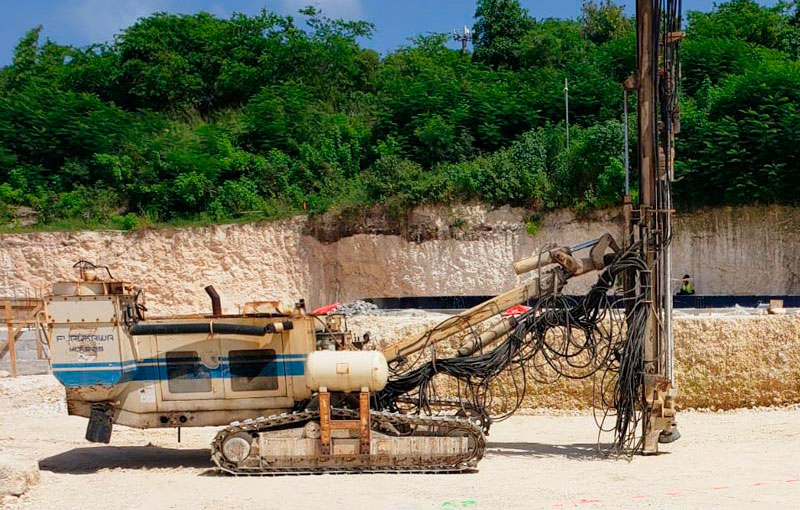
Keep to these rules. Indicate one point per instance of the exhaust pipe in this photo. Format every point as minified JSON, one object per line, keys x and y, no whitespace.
{"x":216,"y":305}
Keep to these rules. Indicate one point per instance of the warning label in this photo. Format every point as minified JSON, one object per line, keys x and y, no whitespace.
{"x":147,"y":395}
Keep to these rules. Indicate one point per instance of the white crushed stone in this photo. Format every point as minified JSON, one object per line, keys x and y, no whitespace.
{"x":358,"y":307}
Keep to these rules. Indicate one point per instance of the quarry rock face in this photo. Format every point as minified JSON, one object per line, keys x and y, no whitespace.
{"x":739,"y":250}
{"x":458,"y":250}
{"x":722,"y":362}
{"x":244,"y":263}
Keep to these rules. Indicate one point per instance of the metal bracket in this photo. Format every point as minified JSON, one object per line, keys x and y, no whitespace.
{"x":597,"y":253}
{"x":363,"y":424}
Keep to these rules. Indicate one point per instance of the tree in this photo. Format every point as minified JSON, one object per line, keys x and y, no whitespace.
{"x":750,"y":22}
{"x":603,"y":22}
{"x":743,"y":143}
{"x":206,"y":118}
{"x":553,"y":43}
{"x":499,"y":27}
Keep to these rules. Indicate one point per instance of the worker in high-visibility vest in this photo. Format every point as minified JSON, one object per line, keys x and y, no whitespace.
{"x":687,"y":289}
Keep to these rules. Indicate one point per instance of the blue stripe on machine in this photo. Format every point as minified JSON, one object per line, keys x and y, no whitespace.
{"x":92,"y":377}
{"x":155,"y":369}
{"x":104,"y":364}
{"x":145,"y":361}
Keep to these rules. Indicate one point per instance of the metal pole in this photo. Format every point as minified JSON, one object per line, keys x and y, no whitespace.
{"x":566,"y":106}
{"x":627,"y":150}
{"x":648,"y":171}
{"x":463,"y":38}
{"x":669,"y":339}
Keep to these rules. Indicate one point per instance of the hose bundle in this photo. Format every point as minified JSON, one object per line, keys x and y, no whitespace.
{"x":599,"y":335}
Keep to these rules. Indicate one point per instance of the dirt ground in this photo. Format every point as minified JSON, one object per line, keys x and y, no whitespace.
{"x":741,"y":459}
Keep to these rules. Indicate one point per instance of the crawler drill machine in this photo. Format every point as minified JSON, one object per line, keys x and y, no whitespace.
{"x":295,"y":392}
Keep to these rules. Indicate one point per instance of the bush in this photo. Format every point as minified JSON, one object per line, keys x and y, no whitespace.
{"x":590,"y":172}
{"x":131,"y":221}
{"x":9,"y":198}
{"x":743,"y":143}
{"x":235,"y":198}
{"x":94,"y":206}
{"x":192,"y":118}
{"x":192,"y":189}
{"x":401,"y":183}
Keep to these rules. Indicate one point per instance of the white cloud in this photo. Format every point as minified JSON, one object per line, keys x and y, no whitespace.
{"x":347,"y":9}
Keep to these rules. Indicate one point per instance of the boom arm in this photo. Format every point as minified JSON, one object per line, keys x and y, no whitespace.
{"x":550,"y":281}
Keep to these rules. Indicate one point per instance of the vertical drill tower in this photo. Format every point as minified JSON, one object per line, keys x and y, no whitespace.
{"x":656,"y":82}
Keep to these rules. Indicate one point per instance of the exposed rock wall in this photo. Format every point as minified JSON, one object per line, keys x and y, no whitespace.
{"x":462,"y":250}
{"x":721,"y":362}
{"x":740,"y":250}
{"x":468,"y":251}
{"x":243,"y":262}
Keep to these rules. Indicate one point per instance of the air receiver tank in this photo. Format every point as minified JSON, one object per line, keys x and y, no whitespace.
{"x":346,"y":370}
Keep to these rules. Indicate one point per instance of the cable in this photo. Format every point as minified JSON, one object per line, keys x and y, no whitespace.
{"x":559,"y":337}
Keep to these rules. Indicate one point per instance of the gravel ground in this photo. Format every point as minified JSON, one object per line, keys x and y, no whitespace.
{"x":740,"y":459}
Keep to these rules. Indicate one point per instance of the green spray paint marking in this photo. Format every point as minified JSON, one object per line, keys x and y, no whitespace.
{"x":459,"y":504}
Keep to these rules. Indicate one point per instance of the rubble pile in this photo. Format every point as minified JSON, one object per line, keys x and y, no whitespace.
{"x":354,"y":308}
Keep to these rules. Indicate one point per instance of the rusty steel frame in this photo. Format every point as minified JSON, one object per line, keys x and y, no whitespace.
{"x":327,"y":425}
{"x":17,"y":314}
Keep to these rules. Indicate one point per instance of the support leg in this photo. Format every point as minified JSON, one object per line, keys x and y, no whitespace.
{"x":324,"y":422}
{"x":365,"y":421}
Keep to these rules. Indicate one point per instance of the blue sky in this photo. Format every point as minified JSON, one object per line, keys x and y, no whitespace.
{"x":81,"y":22}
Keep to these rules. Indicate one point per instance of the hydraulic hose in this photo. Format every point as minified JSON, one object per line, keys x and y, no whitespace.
{"x":209,"y":327}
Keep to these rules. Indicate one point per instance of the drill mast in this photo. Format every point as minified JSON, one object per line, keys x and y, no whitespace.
{"x":656,"y":83}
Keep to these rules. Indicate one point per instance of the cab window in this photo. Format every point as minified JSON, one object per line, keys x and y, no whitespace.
{"x":186,"y":374}
{"x":253,"y":370}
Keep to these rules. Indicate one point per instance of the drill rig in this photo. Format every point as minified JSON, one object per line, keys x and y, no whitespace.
{"x":297,"y":393}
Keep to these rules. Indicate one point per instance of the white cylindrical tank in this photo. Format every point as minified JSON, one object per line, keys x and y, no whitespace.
{"x":346,"y":370}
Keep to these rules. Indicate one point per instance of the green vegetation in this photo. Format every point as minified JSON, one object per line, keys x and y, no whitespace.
{"x":192,"y":118}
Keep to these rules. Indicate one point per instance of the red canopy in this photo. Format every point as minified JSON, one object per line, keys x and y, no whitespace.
{"x":322,"y":310}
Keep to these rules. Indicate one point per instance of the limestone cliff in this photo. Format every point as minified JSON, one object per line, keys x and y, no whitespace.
{"x":460,"y":250}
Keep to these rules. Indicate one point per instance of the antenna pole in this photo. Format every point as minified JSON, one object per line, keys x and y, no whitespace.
{"x":566,"y":106}
{"x":463,"y":37}
{"x":626,"y":155}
